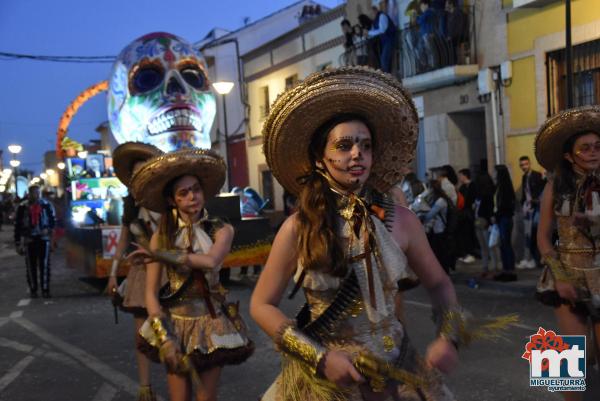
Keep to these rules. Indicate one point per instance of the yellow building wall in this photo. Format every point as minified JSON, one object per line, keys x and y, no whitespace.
{"x":522,"y":95}
{"x":527,"y":24}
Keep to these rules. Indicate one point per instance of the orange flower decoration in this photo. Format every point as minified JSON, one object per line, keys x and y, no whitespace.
{"x":542,"y":341}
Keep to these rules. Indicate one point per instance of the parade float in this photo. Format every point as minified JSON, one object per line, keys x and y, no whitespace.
{"x":157,"y":93}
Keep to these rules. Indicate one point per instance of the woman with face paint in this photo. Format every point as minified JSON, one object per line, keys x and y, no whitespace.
{"x":138,"y":224}
{"x":194,"y":328}
{"x":568,"y":147}
{"x":348,"y":246}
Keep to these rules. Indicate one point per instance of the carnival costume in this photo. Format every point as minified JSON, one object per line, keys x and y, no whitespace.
{"x":208,"y":329}
{"x":578,"y":249}
{"x":355,"y":313}
{"x":141,"y":223}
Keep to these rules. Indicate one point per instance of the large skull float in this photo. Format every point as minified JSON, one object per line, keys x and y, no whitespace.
{"x":159,"y":93}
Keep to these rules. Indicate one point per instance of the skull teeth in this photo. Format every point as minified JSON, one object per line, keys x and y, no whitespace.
{"x":178,"y":118}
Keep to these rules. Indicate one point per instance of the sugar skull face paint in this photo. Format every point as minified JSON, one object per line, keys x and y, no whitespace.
{"x":159,"y":93}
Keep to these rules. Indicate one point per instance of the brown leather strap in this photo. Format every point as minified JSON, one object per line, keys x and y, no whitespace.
{"x":200,"y":281}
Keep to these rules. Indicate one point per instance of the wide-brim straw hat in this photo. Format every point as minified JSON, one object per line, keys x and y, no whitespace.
{"x":300,"y":112}
{"x":126,"y":155}
{"x":557,"y":130}
{"x":148,"y":182}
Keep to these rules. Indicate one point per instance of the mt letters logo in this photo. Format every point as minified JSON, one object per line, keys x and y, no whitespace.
{"x":556,"y":362}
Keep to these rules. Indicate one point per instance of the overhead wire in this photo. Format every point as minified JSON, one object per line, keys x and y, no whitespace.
{"x":6,"y":56}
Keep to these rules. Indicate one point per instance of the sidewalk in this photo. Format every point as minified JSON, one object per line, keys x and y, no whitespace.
{"x":525,"y":285}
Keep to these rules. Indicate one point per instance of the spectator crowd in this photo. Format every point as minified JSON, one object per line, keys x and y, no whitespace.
{"x":473,"y":216}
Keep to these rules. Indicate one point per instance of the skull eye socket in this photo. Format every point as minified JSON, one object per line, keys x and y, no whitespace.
{"x":147,"y":78}
{"x":194,"y":76}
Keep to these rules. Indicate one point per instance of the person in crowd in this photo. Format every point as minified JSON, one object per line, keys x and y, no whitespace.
{"x":504,"y":210}
{"x":457,"y":29}
{"x":372,"y":44}
{"x":411,"y":187}
{"x":483,"y":208}
{"x":385,"y":30}
{"x":443,"y":174}
{"x":349,"y":49}
{"x":192,"y":325}
{"x":532,"y":185}
{"x":426,"y":22}
{"x":568,"y":147}
{"x":466,"y":219}
{"x":137,"y":226}
{"x":34,"y":225}
{"x":435,"y":222}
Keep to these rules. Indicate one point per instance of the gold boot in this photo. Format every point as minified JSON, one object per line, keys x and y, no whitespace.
{"x":145,"y":394}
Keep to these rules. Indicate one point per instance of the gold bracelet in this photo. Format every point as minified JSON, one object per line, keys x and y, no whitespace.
{"x":298,"y":345}
{"x":161,"y":329}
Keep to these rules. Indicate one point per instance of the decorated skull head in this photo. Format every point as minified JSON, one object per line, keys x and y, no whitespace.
{"x":159,"y":93}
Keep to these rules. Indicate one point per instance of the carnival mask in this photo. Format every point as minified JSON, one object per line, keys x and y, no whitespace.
{"x":159,"y":94}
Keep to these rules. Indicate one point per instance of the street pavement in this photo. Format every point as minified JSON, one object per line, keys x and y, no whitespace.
{"x":69,"y":348}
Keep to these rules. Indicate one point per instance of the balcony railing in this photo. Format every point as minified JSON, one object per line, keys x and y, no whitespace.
{"x":417,"y":52}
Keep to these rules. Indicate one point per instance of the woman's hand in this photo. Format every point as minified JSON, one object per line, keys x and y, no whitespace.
{"x":442,"y":354}
{"x":566,"y":291}
{"x":171,"y":356}
{"x":338,"y":369}
{"x":111,"y":287}
{"x":141,"y":254}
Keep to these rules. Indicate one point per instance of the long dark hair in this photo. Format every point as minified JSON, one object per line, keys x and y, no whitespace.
{"x":319,"y":246}
{"x":504,"y":187}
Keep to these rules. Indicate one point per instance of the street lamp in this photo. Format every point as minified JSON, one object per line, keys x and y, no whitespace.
{"x":223,"y":88}
{"x":61,"y":165}
{"x":14,"y":151}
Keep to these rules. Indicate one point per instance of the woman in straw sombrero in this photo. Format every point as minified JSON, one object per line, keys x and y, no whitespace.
{"x":191,"y":323}
{"x":339,"y":140}
{"x":568,"y":147}
{"x":138,"y":223}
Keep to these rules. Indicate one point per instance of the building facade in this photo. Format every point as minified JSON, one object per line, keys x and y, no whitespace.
{"x":223,"y":51}
{"x":536,"y":47}
{"x":269,"y":70}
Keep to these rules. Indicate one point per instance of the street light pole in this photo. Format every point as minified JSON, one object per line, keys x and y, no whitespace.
{"x":14,"y":151}
{"x":226,"y":142}
{"x":223,"y":88}
{"x":569,"y":51}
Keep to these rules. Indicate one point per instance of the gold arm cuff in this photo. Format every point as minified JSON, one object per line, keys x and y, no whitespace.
{"x":160,"y":326}
{"x":298,"y":345}
{"x":170,"y":256}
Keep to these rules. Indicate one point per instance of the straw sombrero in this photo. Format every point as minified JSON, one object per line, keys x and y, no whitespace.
{"x":149,"y":182}
{"x":127,"y":154}
{"x":375,"y":96}
{"x":552,"y":136}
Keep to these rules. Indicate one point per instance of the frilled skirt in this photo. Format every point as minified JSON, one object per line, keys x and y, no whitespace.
{"x":208,"y":342}
{"x":133,"y":290}
{"x":588,"y":301}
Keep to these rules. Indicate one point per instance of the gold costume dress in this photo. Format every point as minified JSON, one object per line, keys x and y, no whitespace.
{"x":371,"y":326}
{"x":208,"y":329}
{"x":579,"y":253}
